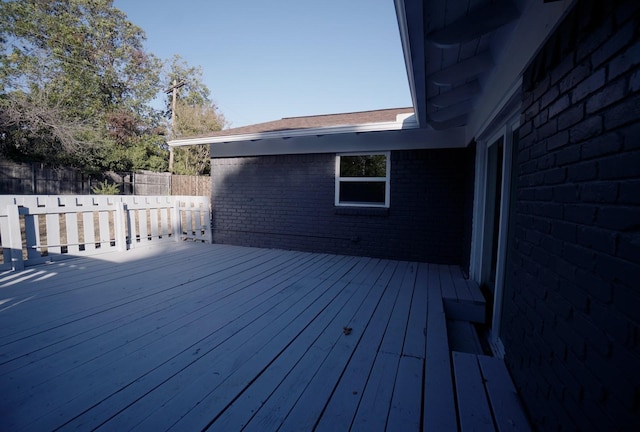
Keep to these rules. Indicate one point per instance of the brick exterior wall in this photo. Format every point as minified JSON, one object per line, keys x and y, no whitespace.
{"x":287,"y":202}
{"x":573,"y":323}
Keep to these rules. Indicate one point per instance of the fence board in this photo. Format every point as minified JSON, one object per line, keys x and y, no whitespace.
{"x":35,"y":178}
{"x":149,"y":183}
{"x":191,"y":185}
{"x":89,"y":232}
{"x":73,"y":240}
{"x":48,"y":227}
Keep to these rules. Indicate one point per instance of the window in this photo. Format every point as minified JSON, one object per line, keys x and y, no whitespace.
{"x":362,"y":180}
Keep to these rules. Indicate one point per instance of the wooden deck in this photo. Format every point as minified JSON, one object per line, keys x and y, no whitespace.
{"x":188,"y":336}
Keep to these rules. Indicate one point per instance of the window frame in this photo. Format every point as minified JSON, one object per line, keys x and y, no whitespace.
{"x":386,"y":179}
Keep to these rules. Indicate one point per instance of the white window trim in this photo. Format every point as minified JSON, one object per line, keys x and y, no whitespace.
{"x":386,"y":179}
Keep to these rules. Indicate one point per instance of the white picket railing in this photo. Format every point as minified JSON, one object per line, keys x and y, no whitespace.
{"x":42,"y":228}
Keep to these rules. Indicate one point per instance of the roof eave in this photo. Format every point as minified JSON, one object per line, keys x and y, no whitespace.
{"x":408,"y":123}
{"x":409,"y":14}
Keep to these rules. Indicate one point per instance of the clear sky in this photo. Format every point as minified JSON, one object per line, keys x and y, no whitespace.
{"x":264,"y":60}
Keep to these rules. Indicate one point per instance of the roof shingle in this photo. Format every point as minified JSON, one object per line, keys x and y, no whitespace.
{"x":317,"y":121}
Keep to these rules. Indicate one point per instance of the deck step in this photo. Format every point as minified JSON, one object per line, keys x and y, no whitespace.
{"x":486,"y":397}
{"x":463,"y":337}
{"x":439,"y":410}
{"x":463,"y":299}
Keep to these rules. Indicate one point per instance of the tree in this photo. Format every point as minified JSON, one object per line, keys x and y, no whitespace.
{"x":195,"y":114}
{"x":39,"y":125}
{"x":193,"y":92}
{"x":76,"y":87}
{"x":70,"y":70}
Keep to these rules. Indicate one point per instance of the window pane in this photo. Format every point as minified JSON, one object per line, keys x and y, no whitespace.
{"x":363,"y":166}
{"x":362,"y":192}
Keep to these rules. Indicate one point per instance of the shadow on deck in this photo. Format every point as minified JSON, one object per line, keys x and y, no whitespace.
{"x":189,"y":336}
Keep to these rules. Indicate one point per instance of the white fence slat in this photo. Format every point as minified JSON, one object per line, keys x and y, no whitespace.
{"x":15,"y":240}
{"x":89,"y":231}
{"x":189,"y":216}
{"x":132,"y":227}
{"x":88,"y":228}
{"x":103,"y":220}
{"x":73,"y":240}
{"x":53,"y":227}
{"x":154,"y":222}
{"x":32,"y":234}
{"x":120,"y":231}
{"x":164,"y":220}
{"x":198,"y":222}
{"x":66,"y":225}
{"x":175,"y":221}
{"x":208,"y":235}
{"x":142,"y":219}
{"x":4,"y":241}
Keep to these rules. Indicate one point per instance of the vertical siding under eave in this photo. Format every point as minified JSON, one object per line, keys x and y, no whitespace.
{"x":573,"y":322}
{"x":287,"y":202}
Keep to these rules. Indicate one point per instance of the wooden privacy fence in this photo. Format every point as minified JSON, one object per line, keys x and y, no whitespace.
{"x":34,"y":178}
{"x":191,"y":185}
{"x":42,"y":228}
{"x":37,"y":179}
{"x":152,"y":183}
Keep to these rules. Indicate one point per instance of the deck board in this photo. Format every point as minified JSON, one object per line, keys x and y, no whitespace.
{"x":312,"y":402}
{"x":106,"y":307}
{"x":475,"y":412}
{"x":187,"y":336}
{"x":406,"y":409}
{"x":343,"y":404}
{"x":188,"y":364}
{"x":439,"y":410}
{"x":144,"y":311}
{"x":258,"y":336}
{"x":301,"y":327}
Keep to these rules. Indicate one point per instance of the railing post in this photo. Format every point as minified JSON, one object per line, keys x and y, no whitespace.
{"x":121,"y":222}
{"x":209,"y":224}
{"x":15,"y":239}
{"x":176,"y":220}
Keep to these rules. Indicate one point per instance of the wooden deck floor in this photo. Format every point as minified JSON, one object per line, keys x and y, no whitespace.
{"x":196,"y":337}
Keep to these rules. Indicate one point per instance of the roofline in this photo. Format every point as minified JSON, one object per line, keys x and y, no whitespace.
{"x":403,"y":121}
{"x":383,"y":140}
{"x":413,"y":50}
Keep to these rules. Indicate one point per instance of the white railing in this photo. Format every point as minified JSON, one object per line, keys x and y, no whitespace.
{"x":41,"y":228}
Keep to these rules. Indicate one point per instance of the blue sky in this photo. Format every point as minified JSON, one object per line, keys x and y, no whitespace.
{"x":264,"y":60}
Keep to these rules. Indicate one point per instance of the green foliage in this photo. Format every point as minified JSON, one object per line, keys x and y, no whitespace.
{"x":195,"y":114}
{"x":76,"y":81}
{"x":363,"y":166}
{"x":190,"y":121}
{"x":193,"y":92}
{"x":86,"y":50}
{"x":192,"y":160}
{"x":106,"y":188}
{"x":76,"y":86}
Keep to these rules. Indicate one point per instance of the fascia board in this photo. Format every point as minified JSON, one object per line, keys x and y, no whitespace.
{"x":409,"y":15}
{"x":403,"y":139}
{"x":292,"y":133}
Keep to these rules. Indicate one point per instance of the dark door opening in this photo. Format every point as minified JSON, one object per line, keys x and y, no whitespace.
{"x":495,"y":161}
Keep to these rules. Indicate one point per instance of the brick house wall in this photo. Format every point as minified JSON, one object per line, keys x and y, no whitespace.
{"x":573,"y":322}
{"x":287,"y":202}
